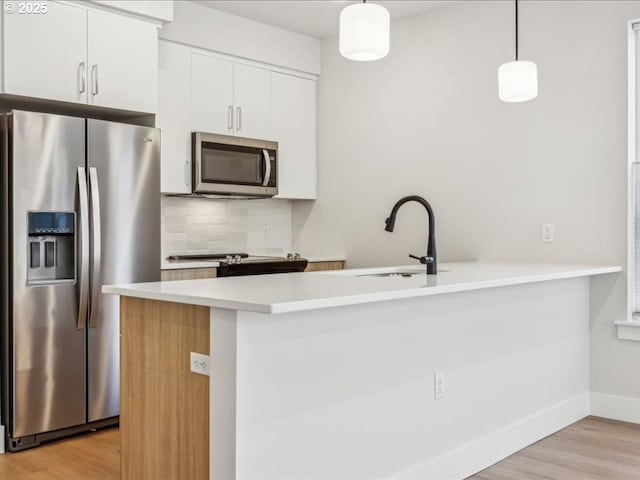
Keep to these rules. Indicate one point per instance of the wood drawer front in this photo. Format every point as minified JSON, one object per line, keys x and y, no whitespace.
{"x":188,"y":274}
{"x":318,"y":266}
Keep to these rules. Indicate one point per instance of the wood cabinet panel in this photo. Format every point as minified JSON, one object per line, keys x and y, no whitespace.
{"x":164,"y":408}
{"x":318,"y":266}
{"x":188,"y":274}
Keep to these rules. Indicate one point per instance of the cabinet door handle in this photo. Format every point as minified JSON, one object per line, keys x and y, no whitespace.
{"x":94,"y":79}
{"x":238,"y":119}
{"x":230,"y":117}
{"x":82,"y":74}
{"x":187,"y":174}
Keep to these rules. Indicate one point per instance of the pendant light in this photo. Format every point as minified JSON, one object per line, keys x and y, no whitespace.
{"x":518,"y":80}
{"x":364,"y":32}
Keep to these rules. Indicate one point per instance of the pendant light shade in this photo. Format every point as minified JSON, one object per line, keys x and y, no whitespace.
{"x":518,"y":80}
{"x":364,"y":32}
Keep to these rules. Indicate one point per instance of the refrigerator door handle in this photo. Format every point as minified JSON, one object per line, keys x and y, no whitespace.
{"x":84,"y":249}
{"x":97,"y":247}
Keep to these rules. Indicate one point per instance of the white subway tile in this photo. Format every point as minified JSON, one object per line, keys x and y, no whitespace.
{"x":208,"y":220}
{"x":197,"y":241}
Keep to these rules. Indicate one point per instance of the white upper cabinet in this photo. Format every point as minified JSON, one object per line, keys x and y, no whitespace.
{"x":252,"y":101}
{"x":211,"y":95}
{"x":174,"y":116}
{"x":45,"y":55}
{"x":80,"y":55}
{"x":294,"y":128}
{"x":230,"y":98}
{"x":201,"y":91}
{"x":123,"y":62}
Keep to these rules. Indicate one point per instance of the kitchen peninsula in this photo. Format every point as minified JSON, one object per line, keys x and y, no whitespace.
{"x":367,"y":373}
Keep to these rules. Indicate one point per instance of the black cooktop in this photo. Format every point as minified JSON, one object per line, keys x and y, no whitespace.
{"x":248,"y":265}
{"x":206,"y":256}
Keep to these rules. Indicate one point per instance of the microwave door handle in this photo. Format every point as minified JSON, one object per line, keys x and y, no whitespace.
{"x":267,"y":167}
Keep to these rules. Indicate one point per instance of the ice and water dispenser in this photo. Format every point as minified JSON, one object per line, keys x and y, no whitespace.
{"x":51,"y":247}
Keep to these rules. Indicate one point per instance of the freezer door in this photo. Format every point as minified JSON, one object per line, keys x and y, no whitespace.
{"x":124,"y":177}
{"x":48,"y":348}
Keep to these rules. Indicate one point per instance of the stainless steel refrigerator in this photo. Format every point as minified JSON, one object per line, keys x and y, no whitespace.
{"x":80,"y":208}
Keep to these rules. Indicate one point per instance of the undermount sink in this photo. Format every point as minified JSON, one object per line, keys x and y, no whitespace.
{"x":392,"y":274}
{"x":382,"y":272}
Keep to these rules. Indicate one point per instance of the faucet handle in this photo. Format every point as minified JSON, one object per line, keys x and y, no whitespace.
{"x":423,"y":260}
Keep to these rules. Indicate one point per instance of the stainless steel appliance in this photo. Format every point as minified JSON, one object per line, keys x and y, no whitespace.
{"x":237,"y":264}
{"x":234,"y":166}
{"x":80,"y":208}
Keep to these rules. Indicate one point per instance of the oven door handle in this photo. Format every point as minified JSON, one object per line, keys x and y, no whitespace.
{"x":267,"y":167}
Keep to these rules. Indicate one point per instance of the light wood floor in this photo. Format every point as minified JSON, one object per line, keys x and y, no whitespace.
{"x":591,"y":449}
{"x":93,"y":456}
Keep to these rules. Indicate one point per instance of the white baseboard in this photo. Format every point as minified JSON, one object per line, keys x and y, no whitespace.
{"x":615,"y":407}
{"x":479,"y":454}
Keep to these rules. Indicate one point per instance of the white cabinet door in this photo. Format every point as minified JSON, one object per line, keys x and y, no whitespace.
{"x":211,"y":95}
{"x":252,"y":102}
{"x":294,"y":128}
{"x":45,"y":54}
{"x":123,"y":62}
{"x":174,"y":116}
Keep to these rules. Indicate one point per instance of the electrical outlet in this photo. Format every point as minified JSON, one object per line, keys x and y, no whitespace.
{"x":439,"y":385}
{"x":547,"y":232}
{"x":199,"y":363}
{"x":265,"y":230}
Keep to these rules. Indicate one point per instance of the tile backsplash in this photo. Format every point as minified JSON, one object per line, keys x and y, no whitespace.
{"x":200,"y":225}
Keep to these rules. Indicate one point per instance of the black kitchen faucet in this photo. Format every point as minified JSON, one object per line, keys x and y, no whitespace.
{"x":430,"y":259}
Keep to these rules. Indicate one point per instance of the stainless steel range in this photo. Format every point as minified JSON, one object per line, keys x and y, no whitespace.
{"x":238,"y":264}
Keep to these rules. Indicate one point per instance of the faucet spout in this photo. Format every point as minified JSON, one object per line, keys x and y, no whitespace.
{"x":431,"y":257}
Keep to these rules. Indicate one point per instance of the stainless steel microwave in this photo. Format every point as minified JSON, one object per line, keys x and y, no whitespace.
{"x":234,"y":166}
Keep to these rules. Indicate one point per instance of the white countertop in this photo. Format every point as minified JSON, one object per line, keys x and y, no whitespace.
{"x":179,"y":265}
{"x":290,"y":292}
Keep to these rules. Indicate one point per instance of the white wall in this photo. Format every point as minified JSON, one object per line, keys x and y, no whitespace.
{"x":426,"y":120}
{"x":222,"y":32}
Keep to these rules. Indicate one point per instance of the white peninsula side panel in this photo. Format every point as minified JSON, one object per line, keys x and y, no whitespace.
{"x":348,"y":392}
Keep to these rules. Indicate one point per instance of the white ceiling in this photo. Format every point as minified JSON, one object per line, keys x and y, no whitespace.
{"x":317,"y":18}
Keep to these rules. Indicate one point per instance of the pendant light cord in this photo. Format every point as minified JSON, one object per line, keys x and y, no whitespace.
{"x":516,"y":30}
